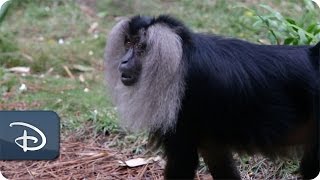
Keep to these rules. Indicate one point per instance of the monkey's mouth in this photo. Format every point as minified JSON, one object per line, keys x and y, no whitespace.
{"x":127,"y":79}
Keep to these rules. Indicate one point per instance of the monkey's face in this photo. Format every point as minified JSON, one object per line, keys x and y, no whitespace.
{"x":145,"y":72}
{"x":131,"y":65}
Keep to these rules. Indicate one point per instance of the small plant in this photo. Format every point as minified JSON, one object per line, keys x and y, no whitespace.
{"x":284,"y":30}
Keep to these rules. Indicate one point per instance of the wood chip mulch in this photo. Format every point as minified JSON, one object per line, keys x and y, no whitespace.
{"x":86,"y":159}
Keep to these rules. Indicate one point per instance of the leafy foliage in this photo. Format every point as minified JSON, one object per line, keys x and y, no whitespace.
{"x":285,"y":30}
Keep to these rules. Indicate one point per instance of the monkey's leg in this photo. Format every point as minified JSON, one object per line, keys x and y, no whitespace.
{"x":220,"y":162}
{"x":309,"y":166}
{"x":182,"y":159}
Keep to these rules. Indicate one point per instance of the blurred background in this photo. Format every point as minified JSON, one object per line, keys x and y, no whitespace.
{"x":51,"y":58}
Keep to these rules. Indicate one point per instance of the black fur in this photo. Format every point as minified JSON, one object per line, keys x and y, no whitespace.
{"x":240,"y":97}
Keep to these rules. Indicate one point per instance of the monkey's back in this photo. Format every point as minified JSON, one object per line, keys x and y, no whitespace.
{"x":245,"y":95}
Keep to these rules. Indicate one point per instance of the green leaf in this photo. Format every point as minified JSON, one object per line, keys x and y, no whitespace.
{"x":257,"y":23}
{"x":291,"y":21}
{"x":289,"y":41}
{"x":309,"y":41}
{"x":274,"y":13}
{"x":311,"y":28}
{"x":295,"y":42}
{"x":300,"y":29}
{"x":302,"y":35}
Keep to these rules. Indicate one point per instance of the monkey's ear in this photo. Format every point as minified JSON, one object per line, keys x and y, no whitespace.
{"x":165,"y":47}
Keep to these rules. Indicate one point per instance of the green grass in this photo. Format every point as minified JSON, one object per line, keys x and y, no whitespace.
{"x":65,"y":96}
{"x":30,"y":37}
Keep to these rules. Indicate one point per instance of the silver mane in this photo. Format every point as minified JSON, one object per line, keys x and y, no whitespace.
{"x":153,"y":103}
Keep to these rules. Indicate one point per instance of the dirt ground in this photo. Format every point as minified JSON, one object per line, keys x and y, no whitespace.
{"x":85,"y":159}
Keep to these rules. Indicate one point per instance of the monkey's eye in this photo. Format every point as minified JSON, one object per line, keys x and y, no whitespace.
{"x":141,"y":46}
{"x":128,"y":43}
